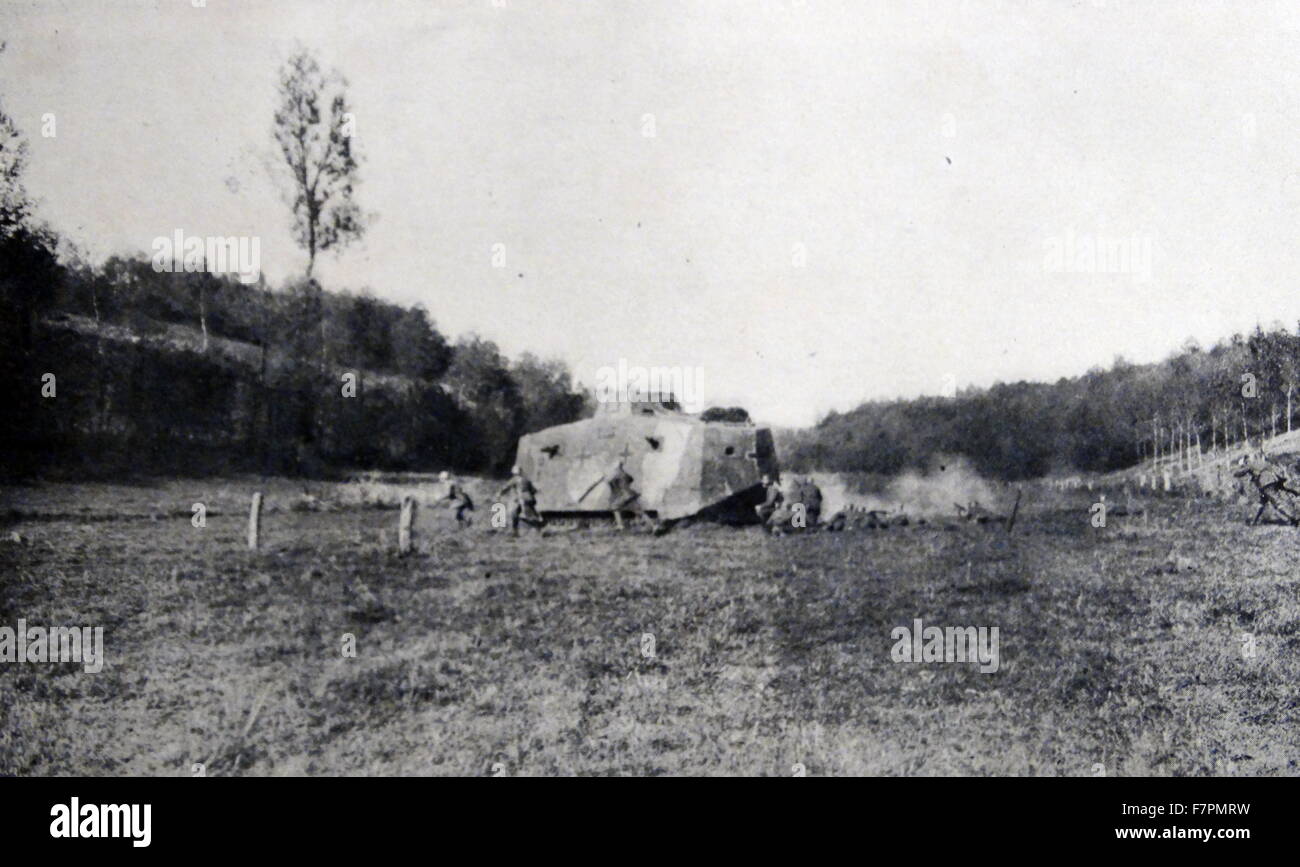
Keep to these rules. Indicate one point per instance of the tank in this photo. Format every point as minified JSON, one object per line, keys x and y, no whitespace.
{"x":681,"y":465}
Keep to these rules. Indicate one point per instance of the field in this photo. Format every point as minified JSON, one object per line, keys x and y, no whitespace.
{"x":1124,"y":650}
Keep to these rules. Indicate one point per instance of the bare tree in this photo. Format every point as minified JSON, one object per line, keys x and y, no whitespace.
{"x":318,"y":151}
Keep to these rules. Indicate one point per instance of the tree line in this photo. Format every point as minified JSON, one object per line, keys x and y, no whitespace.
{"x":1195,"y":403}
{"x":194,"y":372}
{"x":118,"y":366}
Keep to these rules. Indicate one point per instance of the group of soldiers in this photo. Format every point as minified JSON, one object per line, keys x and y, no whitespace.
{"x":798,"y":507}
{"x":520,"y":496}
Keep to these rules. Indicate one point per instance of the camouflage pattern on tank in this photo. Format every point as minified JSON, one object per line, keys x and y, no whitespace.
{"x":681,"y":466}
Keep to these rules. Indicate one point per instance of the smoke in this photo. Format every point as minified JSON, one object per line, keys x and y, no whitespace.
{"x":948,"y":481}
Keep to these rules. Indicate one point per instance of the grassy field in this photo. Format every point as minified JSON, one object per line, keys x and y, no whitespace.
{"x":482,"y":654}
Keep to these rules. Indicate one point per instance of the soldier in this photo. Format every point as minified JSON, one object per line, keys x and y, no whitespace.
{"x":772,"y":499}
{"x":801,"y":507}
{"x":812,"y":501}
{"x":622,"y":496}
{"x":522,"y":496}
{"x":456,"y":498}
{"x":1271,"y":482}
{"x":973,"y":511}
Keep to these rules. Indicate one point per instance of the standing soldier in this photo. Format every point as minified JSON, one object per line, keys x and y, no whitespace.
{"x":772,"y":499}
{"x":622,"y":496}
{"x":456,"y":498}
{"x":522,"y":496}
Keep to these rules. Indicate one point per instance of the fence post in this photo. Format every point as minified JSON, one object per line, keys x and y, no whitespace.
{"x":254,"y":520}
{"x":404,"y":525}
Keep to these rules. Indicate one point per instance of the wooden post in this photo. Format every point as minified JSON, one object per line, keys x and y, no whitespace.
{"x":254,"y":520}
{"x":1015,"y":510}
{"x":404,"y":525}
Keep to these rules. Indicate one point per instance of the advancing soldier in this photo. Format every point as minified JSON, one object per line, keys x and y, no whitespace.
{"x":522,"y":496}
{"x":772,"y":499}
{"x":622,"y":496}
{"x":1271,"y":482}
{"x":456,"y":498}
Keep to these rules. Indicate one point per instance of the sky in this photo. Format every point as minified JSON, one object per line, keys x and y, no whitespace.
{"x":805,"y":204}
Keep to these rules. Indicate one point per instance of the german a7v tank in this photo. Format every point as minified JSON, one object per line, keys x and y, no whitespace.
{"x":681,"y":465}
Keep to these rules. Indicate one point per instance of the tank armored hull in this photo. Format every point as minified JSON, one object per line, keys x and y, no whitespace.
{"x":681,"y":465}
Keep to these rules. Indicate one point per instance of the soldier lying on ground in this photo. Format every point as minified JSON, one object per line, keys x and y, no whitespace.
{"x":973,"y":511}
{"x":862,"y":518}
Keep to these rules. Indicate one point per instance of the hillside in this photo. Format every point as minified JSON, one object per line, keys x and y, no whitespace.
{"x":1104,"y":421}
{"x":196,"y":374}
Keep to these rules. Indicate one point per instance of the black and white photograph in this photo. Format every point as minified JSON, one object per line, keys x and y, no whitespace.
{"x":679,"y":388}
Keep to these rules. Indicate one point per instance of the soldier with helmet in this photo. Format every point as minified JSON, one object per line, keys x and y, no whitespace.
{"x":456,"y":498}
{"x":1271,"y":482}
{"x":772,"y":500}
{"x":521,"y":494}
{"x":622,"y":496}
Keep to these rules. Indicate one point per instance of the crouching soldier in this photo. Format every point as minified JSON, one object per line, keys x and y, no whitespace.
{"x":800,"y":510}
{"x":456,"y":499}
{"x":811,"y":495}
{"x":772,"y":499}
{"x":521,"y":496}
{"x":1271,"y":483}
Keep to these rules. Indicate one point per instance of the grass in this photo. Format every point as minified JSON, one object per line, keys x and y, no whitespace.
{"x":484,"y":654}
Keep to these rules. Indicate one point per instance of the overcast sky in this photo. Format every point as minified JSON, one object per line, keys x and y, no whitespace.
{"x":813,"y":202}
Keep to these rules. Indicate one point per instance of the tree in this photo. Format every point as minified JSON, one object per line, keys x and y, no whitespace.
{"x":1290,"y":371}
{"x":479,"y":379}
{"x":318,"y":152}
{"x":725,"y":413}
{"x":303,"y":322}
{"x":419,"y":349}
{"x":547,"y":392}
{"x":14,"y":204}
{"x":27,"y":249}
